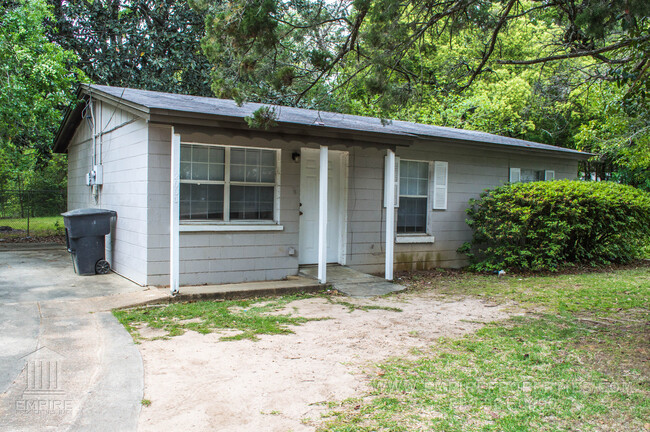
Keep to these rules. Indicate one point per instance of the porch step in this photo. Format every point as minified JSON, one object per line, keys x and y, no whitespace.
{"x":353,"y":283}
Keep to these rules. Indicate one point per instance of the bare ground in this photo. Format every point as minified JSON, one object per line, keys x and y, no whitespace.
{"x":283,"y":382}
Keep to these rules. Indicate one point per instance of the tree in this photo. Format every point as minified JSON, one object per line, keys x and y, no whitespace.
{"x":281,"y":50}
{"x":152,"y":45}
{"x":522,"y":68}
{"x":37,"y":82}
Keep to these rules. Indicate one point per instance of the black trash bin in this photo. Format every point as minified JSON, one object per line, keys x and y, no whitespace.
{"x":84,"y":235}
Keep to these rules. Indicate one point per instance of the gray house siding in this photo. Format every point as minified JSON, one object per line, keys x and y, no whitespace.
{"x":470,"y":171}
{"x":79,"y":161}
{"x":224,"y":257}
{"x":221,"y":257}
{"x":122,"y":150}
{"x":366,"y":215}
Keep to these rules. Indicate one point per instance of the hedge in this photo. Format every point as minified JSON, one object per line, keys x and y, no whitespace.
{"x":554,"y":224}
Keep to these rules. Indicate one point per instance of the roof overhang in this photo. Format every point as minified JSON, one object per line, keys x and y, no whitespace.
{"x":285,"y":129}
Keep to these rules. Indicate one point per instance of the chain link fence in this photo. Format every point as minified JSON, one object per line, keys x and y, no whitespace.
{"x":30,"y":214}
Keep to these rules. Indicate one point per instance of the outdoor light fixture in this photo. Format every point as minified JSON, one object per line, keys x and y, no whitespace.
{"x":295,"y":156}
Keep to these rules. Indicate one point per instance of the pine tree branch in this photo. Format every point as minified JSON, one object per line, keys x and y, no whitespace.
{"x":577,"y":54}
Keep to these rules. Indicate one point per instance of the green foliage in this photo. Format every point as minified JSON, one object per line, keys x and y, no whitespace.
{"x":37,"y":78}
{"x":262,"y":118}
{"x":249,"y":317}
{"x":549,"y":225}
{"x":151,"y":45}
{"x":524,"y":69}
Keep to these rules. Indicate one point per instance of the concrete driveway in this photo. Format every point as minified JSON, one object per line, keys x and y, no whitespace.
{"x":65,"y":361}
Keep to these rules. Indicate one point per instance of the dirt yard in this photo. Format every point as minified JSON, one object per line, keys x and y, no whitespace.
{"x":283,"y":383}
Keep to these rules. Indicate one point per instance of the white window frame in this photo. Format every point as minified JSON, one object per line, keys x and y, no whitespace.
{"x":197,"y":225}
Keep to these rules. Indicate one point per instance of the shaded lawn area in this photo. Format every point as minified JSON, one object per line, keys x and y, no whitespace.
{"x":38,"y":227}
{"x":578,"y":360}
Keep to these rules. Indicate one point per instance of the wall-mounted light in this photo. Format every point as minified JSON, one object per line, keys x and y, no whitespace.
{"x":295,"y":156}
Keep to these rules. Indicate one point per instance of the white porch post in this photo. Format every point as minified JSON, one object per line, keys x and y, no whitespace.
{"x":390,"y":213}
{"x":174,"y":214}
{"x":322,"y":216}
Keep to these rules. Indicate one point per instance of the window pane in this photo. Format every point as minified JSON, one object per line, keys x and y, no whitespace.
{"x":199,"y":171}
{"x":200,"y":154}
{"x":217,"y":155}
{"x":199,"y":192}
{"x":414,"y":178}
{"x":236,"y":172}
{"x":252,"y":173}
{"x":251,"y":202}
{"x":186,"y":152}
{"x":252,"y":165}
{"x":252,"y":157}
{"x":268,"y":174}
{"x":216,"y":172}
{"x":185,"y":207}
{"x":268,"y":158}
{"x":201,"y":202}
{"x":186,"y":170}
{"x":422,"y":187}
{"x":412,"y":215}
{"x":423,"y":170}
{"x":238,"y":156}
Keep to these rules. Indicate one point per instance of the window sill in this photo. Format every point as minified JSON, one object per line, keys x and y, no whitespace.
{"x":229,"y":227}
{"x":415,"y":238}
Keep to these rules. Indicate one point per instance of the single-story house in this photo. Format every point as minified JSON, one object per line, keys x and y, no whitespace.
{"x":202,"y":198}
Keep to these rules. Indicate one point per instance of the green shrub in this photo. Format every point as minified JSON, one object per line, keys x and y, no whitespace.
{"x":550,"y":225}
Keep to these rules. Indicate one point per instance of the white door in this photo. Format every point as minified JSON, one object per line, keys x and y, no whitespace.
{"x":309,"y":169}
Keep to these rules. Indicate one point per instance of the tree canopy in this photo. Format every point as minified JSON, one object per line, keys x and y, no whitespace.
{"x":525,"y":68}
{"x":38,"y":77}
{"x":146,"y":44}
{"x":281,"y":49}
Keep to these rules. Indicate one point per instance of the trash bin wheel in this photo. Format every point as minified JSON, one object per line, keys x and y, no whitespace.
{"x":102,"y":267}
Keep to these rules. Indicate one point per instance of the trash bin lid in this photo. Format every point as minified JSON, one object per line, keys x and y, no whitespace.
{"x":89,"y":212}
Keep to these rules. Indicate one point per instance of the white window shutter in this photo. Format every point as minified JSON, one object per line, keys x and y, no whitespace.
{"x":396,"y":184}
{"x":515,"y":175}
{"x":440,"y":175}
{"x":549,"y":175}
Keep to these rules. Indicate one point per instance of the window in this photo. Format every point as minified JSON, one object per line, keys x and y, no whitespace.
{"x":227,"y":183}
{"x":529,"y":175}
{"x":413,"y":197}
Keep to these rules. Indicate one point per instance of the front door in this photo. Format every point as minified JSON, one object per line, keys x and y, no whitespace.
{"x":336,"y":203}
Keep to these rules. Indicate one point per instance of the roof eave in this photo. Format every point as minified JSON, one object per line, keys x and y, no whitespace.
{"x":72,"y":117}
{"x":160,"y":115}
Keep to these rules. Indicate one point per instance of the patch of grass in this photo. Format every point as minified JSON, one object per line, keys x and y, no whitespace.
{"x":579,"y":365}
{"x":249,"y":317}
{"x":38,"y":227}
{"x":527,"y":374}
{"x":605,"y":292}
{"x":145,"y":402}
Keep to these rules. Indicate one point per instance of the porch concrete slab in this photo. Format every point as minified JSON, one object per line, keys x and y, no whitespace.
{"x":353,"y":283}
{"x":291,"y":285}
